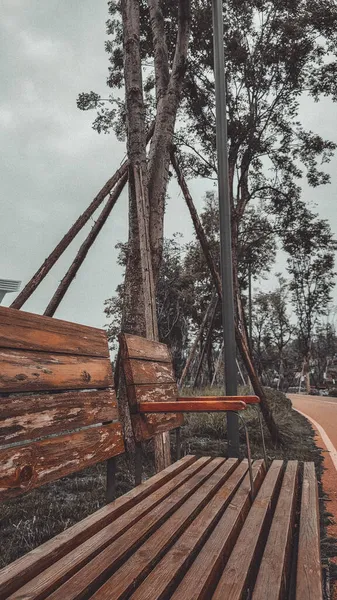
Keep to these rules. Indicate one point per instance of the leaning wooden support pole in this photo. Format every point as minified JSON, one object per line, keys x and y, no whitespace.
{"x":240,"y":339}
{"x":85,"y":247}
{"x":68,"y":238}
{"x":205,"y":346}
{"x":197,"y":339}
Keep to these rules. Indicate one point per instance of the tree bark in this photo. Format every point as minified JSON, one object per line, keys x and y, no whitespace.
{"x":140,"y":255}
{"x":85,"y":247}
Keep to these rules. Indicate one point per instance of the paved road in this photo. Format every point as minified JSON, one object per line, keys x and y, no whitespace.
{"x":324,"y":411}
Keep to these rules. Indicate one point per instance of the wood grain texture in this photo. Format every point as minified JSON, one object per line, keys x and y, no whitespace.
{"x":108,"y":548}
{"x":146,"y":426}
{"x":159,"y":392}
{"x":164,"y":577}
{"x":27,"y":331}
{"x":23,"y":468}
{"x":39,"y":371}
{"x":132,"y":572}
{"x":145,"y":372}
{"x":204,"y":573}
{"x":191,"y":406}
{"x":134,"y":346}
{"x":238,"y":572}
{"x":24,"y":418}
{"x":59,"y":573}
{"x":273,"y":572}
{"x":32,"y":564}
{"x":309,"y":572}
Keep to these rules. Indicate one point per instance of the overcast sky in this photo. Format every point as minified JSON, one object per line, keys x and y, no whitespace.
{"x":53,"y":163}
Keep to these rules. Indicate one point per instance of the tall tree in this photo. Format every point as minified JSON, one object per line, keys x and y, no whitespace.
{"x":311,"y":265}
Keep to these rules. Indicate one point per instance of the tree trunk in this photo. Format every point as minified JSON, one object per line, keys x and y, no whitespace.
{"x":139,"y":272}
{"x":205,"y":346}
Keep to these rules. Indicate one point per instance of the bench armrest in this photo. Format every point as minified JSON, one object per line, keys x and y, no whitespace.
{"x":191,"y":405}
{"x":245,"y":399}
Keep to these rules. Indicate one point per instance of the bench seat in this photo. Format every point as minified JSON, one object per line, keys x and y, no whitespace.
{"x":191,"y":531}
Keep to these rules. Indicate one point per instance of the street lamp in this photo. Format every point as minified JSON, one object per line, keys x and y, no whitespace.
{"x":8,"y":286}
{"x":225,"y":226}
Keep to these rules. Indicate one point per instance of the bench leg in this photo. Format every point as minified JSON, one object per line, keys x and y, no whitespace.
{"x":262,"y":437}
{"x":249,"y":458}
{"x":178,"y":443}
{"x":138,"y":463}
{"x":111,"y":468}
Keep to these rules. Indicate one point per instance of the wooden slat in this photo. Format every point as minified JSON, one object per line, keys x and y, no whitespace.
{"x":27,"y":331}
{"x":134,"y":346}
{"x":190,"y":406}
{"x":121,"y":584}
{"x":39,"y":371}
{"x":164,"y":577}
{"x":29,"y":566}
{"x":309,"y":572}
{"x":245,"y":555}
{"x":145,"y":372}
{"x":273,"y":572}
{"x":160,"y":392}
{"x":245,"y":399}
{"x":146,"y":426}
{"x":204,"y":573}
{"x":85,"y":581}
{"x":23,"y":468}
{"x":67,"y":567}
{"x":30,"y":417}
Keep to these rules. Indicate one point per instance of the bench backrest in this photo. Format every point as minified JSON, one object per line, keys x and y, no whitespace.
{"x":57,"y":402}
{"x":149,"y":376}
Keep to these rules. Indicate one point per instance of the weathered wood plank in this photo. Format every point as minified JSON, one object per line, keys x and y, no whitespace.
{"x":39,"y":371}
{"x":190,"y":406}
{"x":133,"y":346}
{"x":146,"y":426}
{"x":273,"y":572}
{"x":159,"y":392}
{"x":205,"y":571}
{"x":114,"y":539}
{"x":245,"y":399}
{"x":23,"y":468}
{"x":30,"y":565}
{"x":145,"y":372}
{"x":238,"y":572}
{"x":309,"y":571}
{"x":132,"y":572}
{"x":30,"y":417}
{"x":27,"y":331}
{"x":164,"y":577}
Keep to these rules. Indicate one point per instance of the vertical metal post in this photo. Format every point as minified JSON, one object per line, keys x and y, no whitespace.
{"x":225,"y":226}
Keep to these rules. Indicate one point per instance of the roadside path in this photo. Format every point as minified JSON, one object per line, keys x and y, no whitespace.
{"x":322,"y":413}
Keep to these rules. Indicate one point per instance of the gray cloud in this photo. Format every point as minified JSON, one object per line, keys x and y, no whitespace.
{"x":53,"y":164}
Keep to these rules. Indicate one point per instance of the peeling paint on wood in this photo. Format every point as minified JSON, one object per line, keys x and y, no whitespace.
{"x":24,"y":418}
{"x":23,"y":468}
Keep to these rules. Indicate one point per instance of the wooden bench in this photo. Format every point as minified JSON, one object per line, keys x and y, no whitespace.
{"x":191,"y":531}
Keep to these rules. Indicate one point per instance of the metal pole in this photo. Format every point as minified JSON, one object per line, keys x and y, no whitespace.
{"x":225,"y":227}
